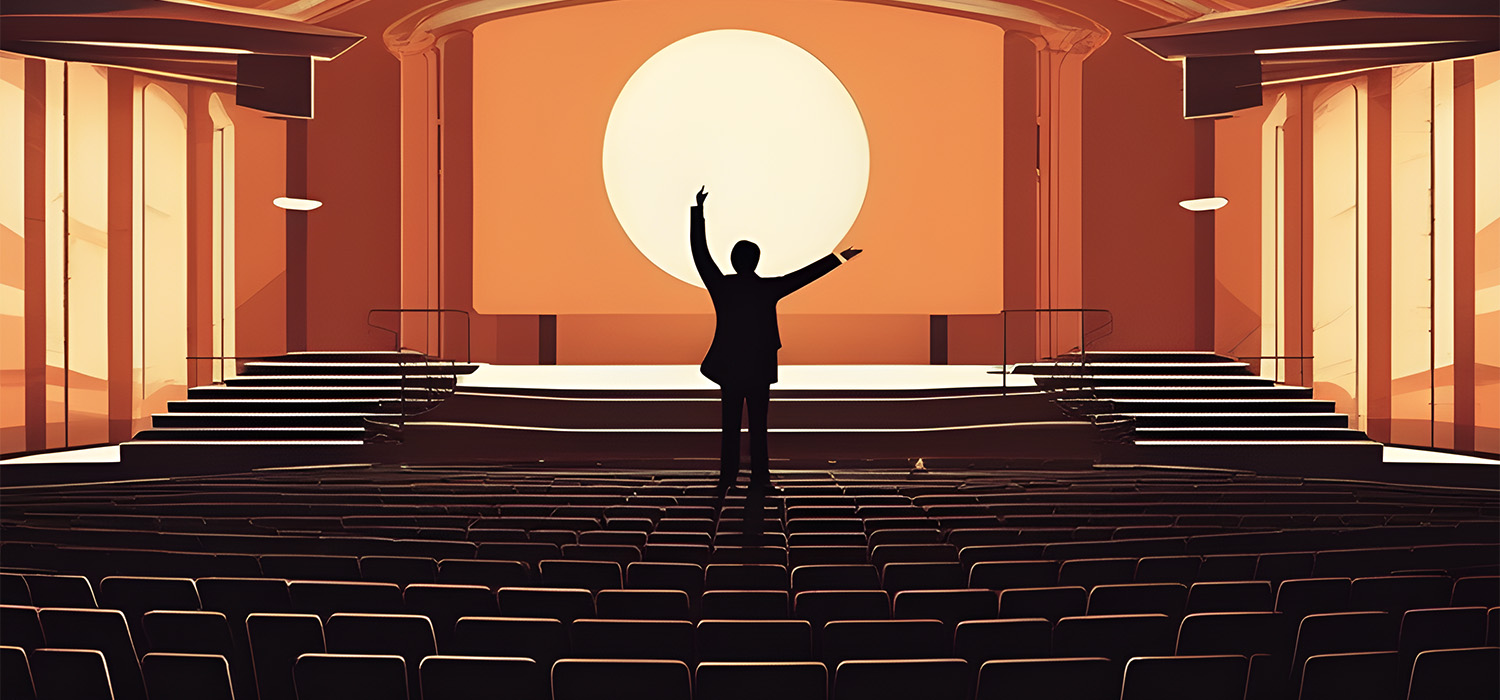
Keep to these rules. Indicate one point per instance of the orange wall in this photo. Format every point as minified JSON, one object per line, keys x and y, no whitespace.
{"x":927,"y":87}
{"x":1137,"y":165}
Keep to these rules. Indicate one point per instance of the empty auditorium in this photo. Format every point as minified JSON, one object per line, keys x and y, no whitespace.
{"x":750,"y":349}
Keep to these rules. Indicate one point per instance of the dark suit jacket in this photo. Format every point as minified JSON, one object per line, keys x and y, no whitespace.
{"x":746,"y":337}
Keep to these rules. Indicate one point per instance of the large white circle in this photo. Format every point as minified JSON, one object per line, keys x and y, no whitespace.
{"x":763,"y":124}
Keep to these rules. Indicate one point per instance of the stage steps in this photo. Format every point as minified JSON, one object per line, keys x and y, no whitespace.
{"x":326,"y":404}
{"x":1198,"y":408}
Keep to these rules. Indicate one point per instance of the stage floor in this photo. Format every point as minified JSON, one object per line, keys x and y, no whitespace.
{"x":629,"y":378}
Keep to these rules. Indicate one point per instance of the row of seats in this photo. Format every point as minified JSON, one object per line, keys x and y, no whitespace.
{"x":74,"y":674}
{"x":272,"y":640}
{"x":748,"y":591}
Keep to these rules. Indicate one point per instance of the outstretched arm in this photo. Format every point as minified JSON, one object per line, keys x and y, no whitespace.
{"x":794,"y":281}
{"x":708,"y":271}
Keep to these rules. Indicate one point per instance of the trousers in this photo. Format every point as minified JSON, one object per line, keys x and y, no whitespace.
{"x":756,"y":399}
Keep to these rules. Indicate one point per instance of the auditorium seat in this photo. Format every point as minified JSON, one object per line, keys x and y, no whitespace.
{"x":1243,"y":633}
{"x":15,"y":674}
{"x":1137,"y":598}
{"x":614,"y":536}
{"x":1049,"y":679}
{"x":1185,"y":678}
{"x":642,"y":604}
{"x":750,"y":680}
{"x":1439,"y":628}
{"x":1456,"y":674}
{"x":276,"y":640}
{"x":834,"y":577}
{"x":1397,"y":594}
{"x":407,"y":636}
{"x":821,"y":607}
{"x":565,"y":604}
{"x":480,"y":572}
{"x":1299,"y":598}
{"x":843,"y":640}
{"x":1052,"y":602}
{"x":587,"y":574}
{"x":1276,"y":567}
{"x":754,"y":640}
{"x":70,"y":674}
{"x":931,"y":679}
{"x":805,"y":554}
{"x":1000,"y":575}
{"x":529,"y":552}
{"x":444,"y":604}
{"x":635,"y":679}
{"x":341,"y":676}
{"x":544,"y":640}
{"x":186,"y":677}
{"x":1116,"y":637}
{"x":658,"y":575}
{"x":745,"y":577}
{"x":465,"y":677}
{"x":60,"y":591}
{"x":1230,"y":596}
{"x":13,"y":590}
{"x":1369,"y":675}
{"x":136,"y":595}
{"x":1098,"y":571}
{"x":398,"y":570}
{"x":238,"y":597}
{"x":104,"y":630}
{"x":632,"y":639}
{"x":187,"y":632}
{"x":907,"y":576}
{"x":1228,"y":567}
{"x":978,"y":641}
{"x":310,"y":567}
{"x":744,"y":605}
{"x":686,"y":553}
{"x":1482,"y":591}
{"x":619,"y":554}
{"x":324,"y":598}
{"x":949,"y":606}
{"x":1181,"y":569}
{"x":1339,"y":633}
{"x":726,"y":553}
{"x":19,"y":627}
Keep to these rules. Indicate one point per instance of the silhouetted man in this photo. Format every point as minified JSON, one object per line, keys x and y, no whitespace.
{"x":742,"y":358}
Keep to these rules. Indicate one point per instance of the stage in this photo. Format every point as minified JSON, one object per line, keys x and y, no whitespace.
{"x":818,"y":412}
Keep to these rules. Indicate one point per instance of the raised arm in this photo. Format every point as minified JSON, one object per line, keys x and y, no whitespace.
{"x":794,"y":281}
{"x":708,"y":271}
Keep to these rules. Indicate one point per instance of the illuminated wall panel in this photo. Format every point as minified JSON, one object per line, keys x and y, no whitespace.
{"x":162,"y":265}
{"x":1487,"y":253}
{"x":1442,"y":254}
{"x":57,"y":380}
{"x":1273,"y":242}
{"x":1411,"y":255}
{"x":1337,"y":250}
{"x":87,"y":256}
{"x":12,"y":254}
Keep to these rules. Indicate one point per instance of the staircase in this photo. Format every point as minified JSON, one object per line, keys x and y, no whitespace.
{"x":299,"y":407}
{"x":1198,"y":408}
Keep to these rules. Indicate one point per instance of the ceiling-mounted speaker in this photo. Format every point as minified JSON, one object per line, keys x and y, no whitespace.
{"x":1214,"y":85}
{"x":278,"y":84}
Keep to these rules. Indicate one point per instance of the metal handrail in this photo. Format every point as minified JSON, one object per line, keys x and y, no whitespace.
{"x":1083,"y":335}
{"x":396,"y":332}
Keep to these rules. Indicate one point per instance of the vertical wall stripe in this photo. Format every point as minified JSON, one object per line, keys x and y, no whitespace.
{"x":938,"y":340}
{"x":1464,"y":225}
{"x":119,"y":316}
{"x":35,"y":299}
{"x":1203,"y":236}
{"x":296,"y":237}
{"x":1377,"y":338}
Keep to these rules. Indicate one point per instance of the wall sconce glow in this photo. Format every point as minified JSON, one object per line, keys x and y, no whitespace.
{"x":769,"y":129}
{"x":296,"y":204}
{"x":1203,"y":204}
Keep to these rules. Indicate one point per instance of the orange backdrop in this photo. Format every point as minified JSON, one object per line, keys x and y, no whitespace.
{"x":546,"y":240}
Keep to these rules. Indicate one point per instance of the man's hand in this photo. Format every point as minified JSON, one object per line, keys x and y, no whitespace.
{"x":849,"y":254}
{"x":702,"y":194}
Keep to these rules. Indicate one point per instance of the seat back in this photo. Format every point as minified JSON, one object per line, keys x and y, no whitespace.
{"x":589,"y":679}
{"x":460,"y":677}
{"x":342,"y":676}
{"x":187,"y":677}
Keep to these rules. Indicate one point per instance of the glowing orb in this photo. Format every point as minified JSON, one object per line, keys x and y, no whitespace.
{"x":763,"y":124}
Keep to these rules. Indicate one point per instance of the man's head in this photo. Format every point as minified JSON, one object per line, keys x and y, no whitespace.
{"x":744,"y":257}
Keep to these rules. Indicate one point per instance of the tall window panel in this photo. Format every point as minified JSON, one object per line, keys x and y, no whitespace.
{"x":1338,"y":250}
{"x":1411,"y":255}
{"x":87,"y":263}
{"x":161,"y":261}
{"x":223,"y":240}
{"x":57,"y":361}
{"x":1487,"y":253}
{"x":1273,"y":242}
{"x":12,"y":254}
{"x":1442,"y":255}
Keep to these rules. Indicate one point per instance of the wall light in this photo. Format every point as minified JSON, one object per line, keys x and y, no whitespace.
{"x":296,"y":204}
{"x":1203,"y":204}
